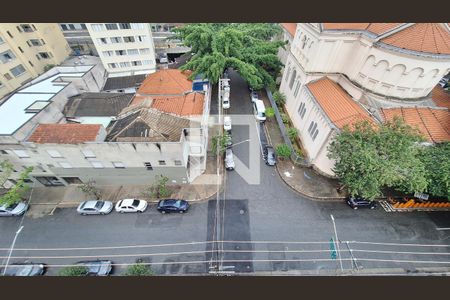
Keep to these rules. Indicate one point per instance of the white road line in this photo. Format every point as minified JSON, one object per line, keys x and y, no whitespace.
{"x":447,"y":228}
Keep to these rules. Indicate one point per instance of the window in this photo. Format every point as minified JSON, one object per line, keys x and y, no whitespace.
{"x":27,"y":28}
{"x":301,"y":110}
{"x":45,"y":55}
{"x":162,"y":162}
{"x":108,"y":53}
{"x":7,"y":56}
{"x":102,"y":41}
{"x":98,"y":27}
{"x":144,"y":51}
{"x":297,"y":88}
{"x":7,"y":76}
{"x":121,"y":52}
{"x":313,"y":131}
{"x":83,"y":26}
{"x":178,"y":163}
{"x":287,"y":74}
{"x":72,"y":27}
{"x":142,"y":38}
{"x":88,"y":153}
{"x":111,"y":26}
{"x":17,"y":71}
{"x":64,"y":27}
{"x":97,"y":164}
{"x":65,"y":165}
{"x":43,"y":42}
{"x":133,"y":52}
{"x":3,"y":152}
{"x":128,"y":39}
{"x":35,"y":42}
{"x":124,"y":25}
{"x":118,"y":165}
{"x":294,"y":74}
{"x":124,"y":64}
{"x":54,"y":153}
{"x":112,"y":65}
{"x":18,"y":29}
{"x":148,"y":166}
{"x":34,"y":28}
{"x":9,"y":33}
{"x":116,"y":40}
{"x":31,"y":64}
{"x":38,"y":57}
{"x":147,"y":62}
{"x":21,"y":153}
{"x":136,"y":63}
{"x":20,"y":49}
{"x":137,"y":25}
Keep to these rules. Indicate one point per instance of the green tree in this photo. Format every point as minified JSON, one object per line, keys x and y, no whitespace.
{"x":280,"y":98}
{"x":90,"y":189}
{"x":369,"y":158}
{"x":73,"y":271}
{"x":6,"y":168}
{"x":245,"y":47}
{"x":283,"y":151}
{"x":159,"y":189}
{"x":15,"y":194}
{"x":437,"y":164}
{"x":270,"y":112}
{"x":292,"y":133}
{"x":219,"y":143}
{"x":138,"y":269}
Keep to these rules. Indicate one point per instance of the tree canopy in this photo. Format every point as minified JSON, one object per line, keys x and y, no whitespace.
{"x":437,"y":164}
{"x":247,"y":48}
{"x":16,"y":193}
{"x":368,"y":159}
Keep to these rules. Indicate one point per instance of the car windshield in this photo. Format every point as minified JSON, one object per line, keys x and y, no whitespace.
{"x":177,"y":203}
{"x":135,"y":203}
{"x":11,"y":207}
{"x":24,"y":270}
{"x":99,"y":204}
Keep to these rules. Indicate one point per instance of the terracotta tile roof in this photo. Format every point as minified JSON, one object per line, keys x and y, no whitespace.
{"x":434,"y":124}
{"x":340,"y":108}
{"x":376,"y":28}
{"x":440,"y":97}
{"x":166,"y":82}
{"x":190,"y":104}
{"x":290,"y":27}
{"x":65,"y":133}
{"x":422,"y":37}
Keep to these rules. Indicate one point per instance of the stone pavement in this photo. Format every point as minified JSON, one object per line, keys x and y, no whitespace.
{"x":44,"y":200}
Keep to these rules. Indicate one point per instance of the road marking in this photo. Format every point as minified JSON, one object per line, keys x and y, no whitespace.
{"x":437,"y":228}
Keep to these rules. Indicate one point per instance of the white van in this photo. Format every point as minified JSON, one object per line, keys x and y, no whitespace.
{"x":259,"y":110}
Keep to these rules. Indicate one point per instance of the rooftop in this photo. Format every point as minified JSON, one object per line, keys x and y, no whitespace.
{"x":166,"y":82}
{"x":290,"y":27}
{"x":340,"y":108}
{"x":96,"y":104}
{"x":65,"y":133}
{"x":434,"y":124}
{"x":185,"y":105}
{"x":440,"y":97}
{"x":116,"y":83}
{"x":376,"y":28}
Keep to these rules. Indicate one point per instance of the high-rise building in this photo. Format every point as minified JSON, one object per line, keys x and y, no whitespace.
{"x":124,"y":48}
{"x":26,"y":50}
{"x":78,"y":38}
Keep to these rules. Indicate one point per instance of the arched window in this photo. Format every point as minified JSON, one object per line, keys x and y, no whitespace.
{"x":287,"y":74}
{"x":291,"y":83}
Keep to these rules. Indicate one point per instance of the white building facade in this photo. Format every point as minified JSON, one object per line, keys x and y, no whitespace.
{"x":124,"y":48}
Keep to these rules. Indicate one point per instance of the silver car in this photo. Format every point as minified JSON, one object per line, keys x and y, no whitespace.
{"x":95,"y":207}
{"x":17,"y":209}
{"x":96,"y":267}
{"x":25,"y":269}
{"x":229,"y":161}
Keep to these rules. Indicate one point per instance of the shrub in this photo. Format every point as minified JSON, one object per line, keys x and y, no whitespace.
{"x":138,"y":269}
{"x":284,"y":118}
{"x":270,"y":112}
{"x":283,"y":151}
{"x":292,"y":133}
{"x":73,"y":271}
{"x":280,"y":98}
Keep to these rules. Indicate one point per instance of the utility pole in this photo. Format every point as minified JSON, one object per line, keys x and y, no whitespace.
{"x":337,"y":243}
{"x":11,"y":250}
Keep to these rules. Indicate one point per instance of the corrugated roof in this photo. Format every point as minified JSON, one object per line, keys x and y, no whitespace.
{"x":422,"y":37}
{"x":96,"y":104}
{"x":290,"y":27}
{"x":340,"y":108}
{"x":65,"y":133}
{"x":123,"y":82}
{"x":376,"y":28}
{"x":434,"y":124}
{"x":440,"y":97}
{"x":166,"y":82}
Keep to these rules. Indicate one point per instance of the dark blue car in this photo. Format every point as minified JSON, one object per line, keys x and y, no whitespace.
{"x":173,"y":205}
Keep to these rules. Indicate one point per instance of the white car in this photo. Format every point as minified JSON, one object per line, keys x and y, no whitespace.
{"x":131,"y":205}
{"x":229,"y":161}
{"x":254,"y":96}
{"x":17,"y":209}
{"x":227,"y":123}
{"x":226,"y":103}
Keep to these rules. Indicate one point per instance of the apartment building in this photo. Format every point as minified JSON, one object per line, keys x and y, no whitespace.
{"x":124,"y":48}
{"x":78,"y":38}
{"x":25,"y":51}
{"x":339,"y":73}
{"x":164,"y":43}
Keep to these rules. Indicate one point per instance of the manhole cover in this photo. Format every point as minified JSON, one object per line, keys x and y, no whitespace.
{"x":241,"y":211}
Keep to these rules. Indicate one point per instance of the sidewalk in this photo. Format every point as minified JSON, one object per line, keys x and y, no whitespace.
{"x":44,"y":200}
{"x":303,"y":180}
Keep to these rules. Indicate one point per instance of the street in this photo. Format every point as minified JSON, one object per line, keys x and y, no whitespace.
{"x":264,"y":227}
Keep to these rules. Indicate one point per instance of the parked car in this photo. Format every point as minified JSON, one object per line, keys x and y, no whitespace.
{"x":227,"y":123}
{"x":25,"y":269}
{"x":358,"y":202}
{"x":163,"y":59}
{"x":226,"y":102}
{"x":259,"y":110}
{"x":97,"y":267}
{"x":254,"y":96}
{"x":131,"y":205}
{"x":228,"y":140}
{"x":229,"y":161}
{"x":95,"y":207}
{"x":17,"y":209}
{"x":269,"y":156}
{"x":173,"y":205}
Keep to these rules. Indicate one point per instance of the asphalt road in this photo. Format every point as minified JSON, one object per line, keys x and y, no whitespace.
{"x":265,"y":227}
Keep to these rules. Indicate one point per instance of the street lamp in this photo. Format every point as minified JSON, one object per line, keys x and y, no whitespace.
{"x":337,"y":243}
{"x":11,"y":250}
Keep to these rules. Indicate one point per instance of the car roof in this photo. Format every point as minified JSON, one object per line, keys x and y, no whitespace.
{"x":90,"y":203}
{"x":128,"y":201}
